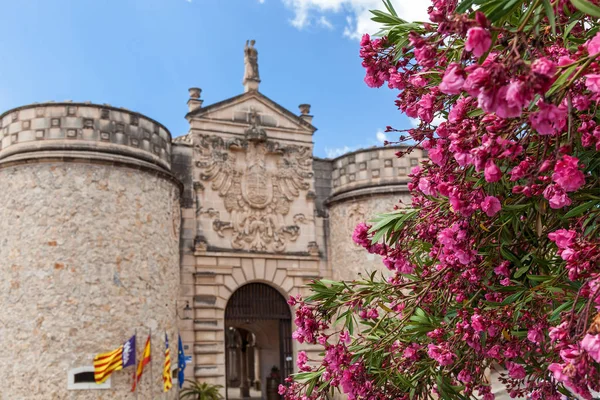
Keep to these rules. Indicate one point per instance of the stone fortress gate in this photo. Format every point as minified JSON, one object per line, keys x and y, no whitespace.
{"x":109,"y":227}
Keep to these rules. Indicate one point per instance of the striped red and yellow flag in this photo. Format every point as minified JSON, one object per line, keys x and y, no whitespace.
{"x":167,"y":378}
{"x":106,"y":363}
{"x":146,"y":358}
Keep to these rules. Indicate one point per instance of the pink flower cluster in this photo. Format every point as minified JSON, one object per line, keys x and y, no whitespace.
{"x":498,"y":260}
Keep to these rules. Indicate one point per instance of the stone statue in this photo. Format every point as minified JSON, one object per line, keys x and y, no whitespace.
{"x":251,"y":62}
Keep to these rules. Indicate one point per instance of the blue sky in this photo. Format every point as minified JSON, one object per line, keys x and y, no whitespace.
{"x":145,"y":54}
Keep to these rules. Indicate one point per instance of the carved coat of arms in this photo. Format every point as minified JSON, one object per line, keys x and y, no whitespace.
{"x":258,"y":180}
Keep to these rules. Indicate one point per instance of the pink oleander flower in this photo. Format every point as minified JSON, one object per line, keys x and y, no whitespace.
{"x":559,"y":375}
{"x":591,"y":344}
{"x":549,"y":120}
{"x":301,"y":361}
{"x":559,"y":332}
{"x":491,"y":172}
{"x":502,"y":269}
{"x":345,"y":337}
{"x":437,"y":155}
{"x":476,"y":80}
{"x":535,"y":335}
{"x":360,"y":235}
{"x":593,"y":45}
{"x":592,"y":82}
{"x":557,"y":197}
{"x":544,"y":67}
{"x":440,"y":354}
{"x":453,"y":80}
{"x":478,"y":323}
{"x":426,"y":56}
{"x":503,"y":108}
{"x":418,"y":81}
{"x":517,"y":94}
{"x":515,"y":371}
{"x":563,"y":238}
{"x":464,"y":376}
{"x":281,"y":390}
{"x":567,"y":174}
{"x":479,"y":41}
{"x":425,"y":187}
{"x":491,"y":206}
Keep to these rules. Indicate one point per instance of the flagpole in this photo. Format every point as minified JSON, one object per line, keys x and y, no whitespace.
{"x":151,"y":365}
{"x":178,"y":363}
{"x":166,"y":345}
{"x":135,"y":365}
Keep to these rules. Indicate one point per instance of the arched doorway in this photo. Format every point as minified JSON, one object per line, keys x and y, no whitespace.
{"x":258,"y":342}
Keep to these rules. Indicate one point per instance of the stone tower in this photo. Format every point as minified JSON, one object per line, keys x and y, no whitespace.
{"x":89,"y":246}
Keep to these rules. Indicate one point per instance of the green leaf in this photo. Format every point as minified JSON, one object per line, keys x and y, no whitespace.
{"x":521,"y":271}
{"x":330,"y":282}
{"x":562,"y":79}
{"x":568,"y":29}
{"x":390,"y":7}
{"x":310,"y":388}
{"x":502,"y":9}
{"x":550,"y":14}
{"x":587,"y":7}
{"x":512,"y":298}
{"x":580,"y":209}
{"x":538,"y":278}
{"x":509,"y":255}
{"x":464,"y":6}
{"x":556,"y":313}
{"x":475,"y":113}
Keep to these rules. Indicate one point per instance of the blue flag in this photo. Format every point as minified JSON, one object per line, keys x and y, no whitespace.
{"x":129,"y":352}
{"x":180,"y":363}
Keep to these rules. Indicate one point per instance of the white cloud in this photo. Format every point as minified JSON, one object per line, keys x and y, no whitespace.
{"x":436,"y":121}
{"x":358,"y":17}
{"x":324,"y":22}
{"x":380,"y":137}
{"x":261,"y":1}
{"x":333,"y":153}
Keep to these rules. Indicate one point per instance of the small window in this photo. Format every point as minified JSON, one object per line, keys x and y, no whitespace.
{"x":82,"y":378}
{"x":413,"y":162}
{"x":85,"y":377}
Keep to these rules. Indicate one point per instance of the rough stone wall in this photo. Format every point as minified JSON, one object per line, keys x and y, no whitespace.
{"x":322,"y":175}
{"x":88,"y":254}
{"x":347,"y":259}
{"x":182,"y":167}
{"x":364,"y":183}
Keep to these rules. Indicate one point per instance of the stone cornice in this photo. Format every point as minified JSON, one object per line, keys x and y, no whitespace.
{"x":49,"y":157}
{"x":370,"y":191}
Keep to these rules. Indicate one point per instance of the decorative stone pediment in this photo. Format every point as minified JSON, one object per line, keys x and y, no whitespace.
{"x":236,"y":114}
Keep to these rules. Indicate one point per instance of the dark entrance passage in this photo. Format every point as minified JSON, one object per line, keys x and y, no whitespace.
{"x":258,"y":342}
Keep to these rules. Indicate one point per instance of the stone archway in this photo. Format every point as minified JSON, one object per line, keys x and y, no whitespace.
{"x":258,"y":342}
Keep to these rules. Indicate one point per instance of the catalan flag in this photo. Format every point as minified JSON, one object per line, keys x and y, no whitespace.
{"x":107,"y":363}
{"x":141,"y":364}
{"x":167,"y":378}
